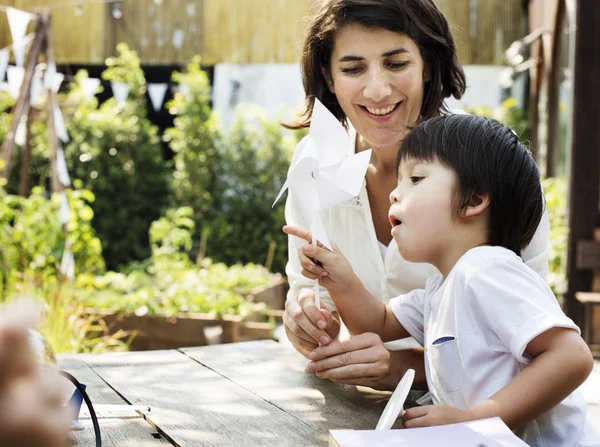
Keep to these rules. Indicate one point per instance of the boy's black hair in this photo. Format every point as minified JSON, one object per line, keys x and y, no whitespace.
{"x":487,"y":158}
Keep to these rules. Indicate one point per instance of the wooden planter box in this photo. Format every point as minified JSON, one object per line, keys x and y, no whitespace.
{"x":182,"y":330}
{"x":273,"y":295}
{"x":187,"y":329}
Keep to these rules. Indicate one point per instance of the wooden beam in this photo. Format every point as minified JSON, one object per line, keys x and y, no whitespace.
{"x":22,"y":105}
{"x":585,"y":155}
{"x":588,"y":255}
{"x":26,"y":157}
{"x":554,"y":90}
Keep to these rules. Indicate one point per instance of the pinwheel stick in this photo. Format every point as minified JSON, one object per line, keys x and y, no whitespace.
{"x":316,"y":284}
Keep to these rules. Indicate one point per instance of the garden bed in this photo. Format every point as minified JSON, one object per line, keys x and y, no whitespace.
{"x":196,"y":329}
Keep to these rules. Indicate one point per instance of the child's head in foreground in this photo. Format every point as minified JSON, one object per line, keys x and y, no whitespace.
{"x":463,"y":181}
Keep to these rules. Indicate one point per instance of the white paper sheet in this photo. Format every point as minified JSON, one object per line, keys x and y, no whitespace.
{"x":488,"y":432}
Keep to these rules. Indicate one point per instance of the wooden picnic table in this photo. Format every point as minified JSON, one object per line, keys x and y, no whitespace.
{"x":241,"y":394}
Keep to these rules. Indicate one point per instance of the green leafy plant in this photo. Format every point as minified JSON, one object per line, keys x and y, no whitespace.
{"x":171,"y":283}
{"x":116,"y":153}
{"x":32,"y":239}
{"x":255,"y":160}
{"x":194,"y":140}
{"x":508,"y":113}
{"x":555,"y":190}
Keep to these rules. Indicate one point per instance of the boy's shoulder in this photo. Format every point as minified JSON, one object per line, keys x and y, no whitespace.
{"x":491,"y":260}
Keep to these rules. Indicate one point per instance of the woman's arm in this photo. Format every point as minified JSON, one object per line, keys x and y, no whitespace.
{"x":305,"y":326}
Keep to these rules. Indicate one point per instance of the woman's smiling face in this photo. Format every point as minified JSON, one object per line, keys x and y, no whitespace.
{"x":378,"y":78}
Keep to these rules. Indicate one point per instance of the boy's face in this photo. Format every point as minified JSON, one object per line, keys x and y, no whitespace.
{"x":421,"y":211}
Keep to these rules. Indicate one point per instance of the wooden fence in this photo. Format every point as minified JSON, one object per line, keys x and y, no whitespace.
{"x":239,"y":31}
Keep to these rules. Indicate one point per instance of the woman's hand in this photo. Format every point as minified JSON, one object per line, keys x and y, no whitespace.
{"x":364,"y":360}
{"x":330,"y":268}
{"x":357,"y":360}
{"x":306,"y":326}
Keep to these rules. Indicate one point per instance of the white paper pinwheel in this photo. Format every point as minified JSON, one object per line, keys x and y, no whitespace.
{"x":323,"y":172}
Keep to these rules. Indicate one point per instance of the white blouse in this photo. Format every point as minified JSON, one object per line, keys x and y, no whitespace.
{"x":350,"y":226}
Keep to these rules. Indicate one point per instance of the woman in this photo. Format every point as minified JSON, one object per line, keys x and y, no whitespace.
{"x":380,"y":66}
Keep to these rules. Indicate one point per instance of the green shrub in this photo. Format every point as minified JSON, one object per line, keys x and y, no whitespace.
{"x":194,"y":139}
{"x":116,"y":152}
{"x":555,"y":190}
{"x":32,"y":239}
{"x":229,"y":182}
{"x":170,"y":282}
{"x":255,"y":160}
{"x":509,"y":113}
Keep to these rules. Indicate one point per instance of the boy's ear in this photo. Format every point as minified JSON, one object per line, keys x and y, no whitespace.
{"x":476,"y":205}
{"x":328,"y":79}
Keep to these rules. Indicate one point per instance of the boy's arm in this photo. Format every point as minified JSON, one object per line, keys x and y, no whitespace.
{"x":361,"y":312}
{"x":561,"y":362}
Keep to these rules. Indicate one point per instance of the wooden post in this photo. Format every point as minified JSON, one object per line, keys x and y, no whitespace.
{"x":554,"y":91}
{"x":51,"y":104}
{"x":585,"y":144}
{"x":26,"y":158}
{"x":22,"y":105}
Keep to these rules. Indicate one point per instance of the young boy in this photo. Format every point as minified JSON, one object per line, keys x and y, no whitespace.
{"x":496,"y":341}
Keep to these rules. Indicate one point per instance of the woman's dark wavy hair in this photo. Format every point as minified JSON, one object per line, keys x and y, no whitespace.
{"x":418,"y":19}
{"x":487,"y":158}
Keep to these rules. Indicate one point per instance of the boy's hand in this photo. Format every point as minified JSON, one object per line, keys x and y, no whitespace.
{"x":331,"y":268}
{"x":429,"y":415}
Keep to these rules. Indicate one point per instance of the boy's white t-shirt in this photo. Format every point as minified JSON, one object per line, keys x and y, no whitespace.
{"x":475,"y":326}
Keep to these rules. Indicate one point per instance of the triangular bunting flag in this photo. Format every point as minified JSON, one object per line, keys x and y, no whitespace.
{"x":4,"y":55}
{"x":157,"y":94}
{"x":49,"y":75}
{"x":67,"y":264}
{"x":61,"y":168}
{"x":21,"y":133}
{"x":59,"y":125}
{"x":120,"y":91}
{"x":15,"y":76}
{"x":178,"y":36}
{"x":89,"y":87}
{"x":52,"y":79}
{"x":18,"y":21}
{"x":64,"y":212}
{"x":37,"y":89}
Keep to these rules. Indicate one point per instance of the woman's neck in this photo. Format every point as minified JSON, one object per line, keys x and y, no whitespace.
{"x":383,"y":160}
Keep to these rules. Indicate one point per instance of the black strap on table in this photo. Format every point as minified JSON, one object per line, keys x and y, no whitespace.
{"x":88,"y":402}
